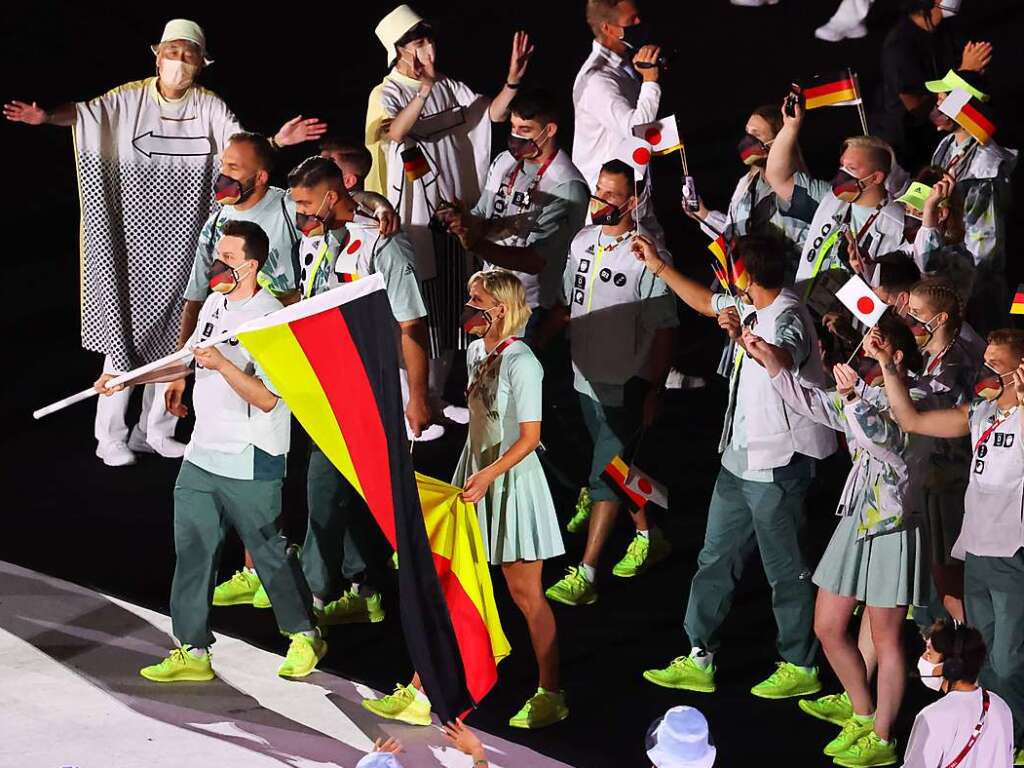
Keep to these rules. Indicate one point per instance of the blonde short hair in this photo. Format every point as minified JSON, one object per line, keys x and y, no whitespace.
{"x":508,"y":291}
{"x":879,"y":151}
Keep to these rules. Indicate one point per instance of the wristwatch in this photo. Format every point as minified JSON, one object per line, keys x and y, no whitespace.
{"x":851,"y":396}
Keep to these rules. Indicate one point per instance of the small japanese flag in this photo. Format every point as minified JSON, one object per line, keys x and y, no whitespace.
{"x":861,"y":301}
{"x":635,"y":152}
{"x":662,"y":135}
{"x":642,"y":484}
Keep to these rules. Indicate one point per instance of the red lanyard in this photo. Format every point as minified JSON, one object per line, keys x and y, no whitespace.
{"x":992,"y":428}
{"x":860,"y":233}
{"x":938,"y":358}
{"x":488,"y":362}
{"x":533,"y":182}
{"x":966,"y":152}
{"x":977,"y":731}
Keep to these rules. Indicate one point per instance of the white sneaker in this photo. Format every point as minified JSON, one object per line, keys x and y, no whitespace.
{"x":169,"y":448}
{"x":456,"y":413}
{"x":116,"y":454}
{"x":432,"y":432}
{"x":856,"y":32}
{"x":830,"y":32}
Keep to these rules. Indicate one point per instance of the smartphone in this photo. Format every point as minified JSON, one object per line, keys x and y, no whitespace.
{"x":690,"y":199}
{"x":793,"y":98}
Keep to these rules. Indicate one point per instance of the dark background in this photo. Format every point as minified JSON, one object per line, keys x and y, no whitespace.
{"x":70,"y":516}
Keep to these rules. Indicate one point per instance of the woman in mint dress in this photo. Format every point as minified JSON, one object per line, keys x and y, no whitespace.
{"x":500,"y":472}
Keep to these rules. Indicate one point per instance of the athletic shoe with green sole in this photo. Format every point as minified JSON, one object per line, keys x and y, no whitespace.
{"x":853,"y":729}
{"x":303,"y":655}
{"x":180,"y":666}
{"x":238,"y":590}
{"x":834,"y":708}
{"x":542,"y":709}
{"x":261,"y":599}
{"x":788,"y":680}
{"x":867,"y":752}
{"x":402,"y":705}
{"x":1018,"y":757}
{"x":684,"y":674}
{"x":582,"y":513}
{"x":351,"y":608}
{"x":642,"y":554}
{"x":572,"y":589}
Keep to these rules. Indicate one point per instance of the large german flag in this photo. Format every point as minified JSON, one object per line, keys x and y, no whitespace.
{"x":333,"y":362}
{"x":837,"y":89}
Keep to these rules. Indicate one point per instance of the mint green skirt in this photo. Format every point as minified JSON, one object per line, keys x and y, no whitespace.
{"x":885,"y":571}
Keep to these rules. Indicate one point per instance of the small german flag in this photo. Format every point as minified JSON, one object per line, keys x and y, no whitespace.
{"x":734,"y":276}
{"x":838,"y":89}
{"x":415,"y":163}
{"x":1017,"y":307}
{"x":347,"y":277}
{"x":967,"y":112}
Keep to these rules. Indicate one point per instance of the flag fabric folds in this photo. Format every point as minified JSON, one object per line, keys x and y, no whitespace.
{"x":333,"y":362}
{"x":838,"y":89}
{"x":662,"y":135}
{"x":732,"y":274}
{"x":857,"y":297}
{"x":1017,"y":307}
{"x":968,"y":113}
{"x":414,"y":163}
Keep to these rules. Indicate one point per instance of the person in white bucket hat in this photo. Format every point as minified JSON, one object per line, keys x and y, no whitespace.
{"x":680,"y":739}
{"x":137,"y":147}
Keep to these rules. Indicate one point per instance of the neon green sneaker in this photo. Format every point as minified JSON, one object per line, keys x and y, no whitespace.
{"x":402,"y":705}
{"x":642,"y":554}
{"x":867,"y":752}
{"x":582,"y":514}
{"x":788,"y":680}
{"x":834,"y":708}
{"x":350,"y":608}
{"x":261,"y":599}
{"x":542,"y":709}
{"x":684,"y":674}
{"x":1018,"y":757}
{"x":180,"y":666}
{"x":238,"y":590}
{"x":573,"y":588}
{"x":303,"y":655}
{"x":853,"y":729}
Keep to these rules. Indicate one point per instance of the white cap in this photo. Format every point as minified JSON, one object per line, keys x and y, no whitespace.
{"x":393,"y":26}
{"x":184,"y":29}
{"x":681,"y":740}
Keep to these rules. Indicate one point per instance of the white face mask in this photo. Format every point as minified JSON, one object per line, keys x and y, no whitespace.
{"x":928,"y":676}
{"x":176,"y":74}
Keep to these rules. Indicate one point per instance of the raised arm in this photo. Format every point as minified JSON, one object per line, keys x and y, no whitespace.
{"x":784,"y":154}
{"x":602,"y":97}
{"x":522,"y":50}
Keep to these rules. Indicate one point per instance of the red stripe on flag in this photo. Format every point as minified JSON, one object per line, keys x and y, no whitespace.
{"x":978,"y":119}
{"x":327,"y":343}
{"x":825,"y":89}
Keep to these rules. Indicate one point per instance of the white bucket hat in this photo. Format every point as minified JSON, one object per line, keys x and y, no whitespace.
{"x":680,"y":740}
{"x":184,"y":29}
{"x":393,"y":26}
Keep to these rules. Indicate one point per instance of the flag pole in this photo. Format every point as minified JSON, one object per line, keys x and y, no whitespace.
{"x":860,"y":102}
{"x":860,"y":344}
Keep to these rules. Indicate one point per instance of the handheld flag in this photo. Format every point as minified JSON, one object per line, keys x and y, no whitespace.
{"x":857,"y":297}
{"x":732,"y":274}
{"x":1017,"y":307}
{"x":636,"y":153}
{"x":415,"y":164}
{"x":967,"y":112}
{"x":662,"y":135}
{"x":838,"y":89}
{"x":647,"y":487}
{"x":331,"y":362}
{"x":615,"y":473}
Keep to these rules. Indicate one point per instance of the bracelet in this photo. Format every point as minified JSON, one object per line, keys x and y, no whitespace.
{"x":273,"y":143}
{"x":513,"y":86}
{"x":660,"y":269}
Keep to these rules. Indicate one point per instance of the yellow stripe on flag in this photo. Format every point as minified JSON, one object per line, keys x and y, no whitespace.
{"x":278,"y":349}
{"x":830,"y":99}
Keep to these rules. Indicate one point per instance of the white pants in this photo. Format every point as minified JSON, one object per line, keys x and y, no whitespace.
{"x":155,"y":424}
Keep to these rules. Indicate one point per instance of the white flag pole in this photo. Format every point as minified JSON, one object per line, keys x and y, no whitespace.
{"x":860,"y":102}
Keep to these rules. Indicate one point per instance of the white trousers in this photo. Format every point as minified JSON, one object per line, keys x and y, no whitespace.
{"x":155,"y":424}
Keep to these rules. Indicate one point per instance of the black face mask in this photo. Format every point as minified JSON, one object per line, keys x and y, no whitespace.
{"x":752,"y":150}
{"x":604,"y":213}
{"x":637,"y":36}
{"x":941,"y":120}
{"x":522,"y":148}
{"x":229,"y":191}
{"x":911,"y":225}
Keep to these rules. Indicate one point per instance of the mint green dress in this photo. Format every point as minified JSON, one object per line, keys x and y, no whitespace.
{"x":517,"y":515}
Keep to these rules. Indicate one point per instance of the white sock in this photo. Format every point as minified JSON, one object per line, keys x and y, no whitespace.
{"x":318,"y":603}
{"x":310,"y":634}
{"x":588,"y":572}
{"x":702,"y":658}
{"x":250,"y":571}
{"x":421,"y":696}
{"x":363,"y":590}
{"x":644,"y":534}
{"x":198,"y":652}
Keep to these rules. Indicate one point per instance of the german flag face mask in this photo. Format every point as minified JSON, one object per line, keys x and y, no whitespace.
{"x":990,"y":384}
{"x":225,"y":279}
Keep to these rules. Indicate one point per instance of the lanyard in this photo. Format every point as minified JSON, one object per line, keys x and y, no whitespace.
{"x":977,"y":731}
{"x":597,"y":262}
{"x":992,"y":428}
{"x":533,"y":182}
{"x":961,"y":157}
{"x":834,"y":236}
{"x":938,"y":358}
{"x":487,"y":363}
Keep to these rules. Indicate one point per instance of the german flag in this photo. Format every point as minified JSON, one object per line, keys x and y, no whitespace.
{"x":415,"y":164}
{"x":731,"y":274}
{"x":339,"y":375}
{"x":968,"y":112}
{"x":838,"y":89}
{"x":1017,"y":307}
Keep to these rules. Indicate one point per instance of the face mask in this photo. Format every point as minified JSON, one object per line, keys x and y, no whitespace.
{"x":869,"y":370}
{"x":224,"y":279}
{"x":176,"y":74}
{"x":523,"y":148}
{"x":989,"y":384}
{"x":922,"y":331}
{"x":603,"y":212}
{"x":911,"y":224}
{"x":752,"y":150}
{"x":476,"y":321}
{"x":312,"y":225}
{"x":927,"y":672}
{"x":940,"y":119}
{"x":846,"y":186}
{"x":636,"y":36}
{"x":229,"y":191}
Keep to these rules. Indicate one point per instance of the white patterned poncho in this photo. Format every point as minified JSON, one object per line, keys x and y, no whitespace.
{"x":146,"y":167}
